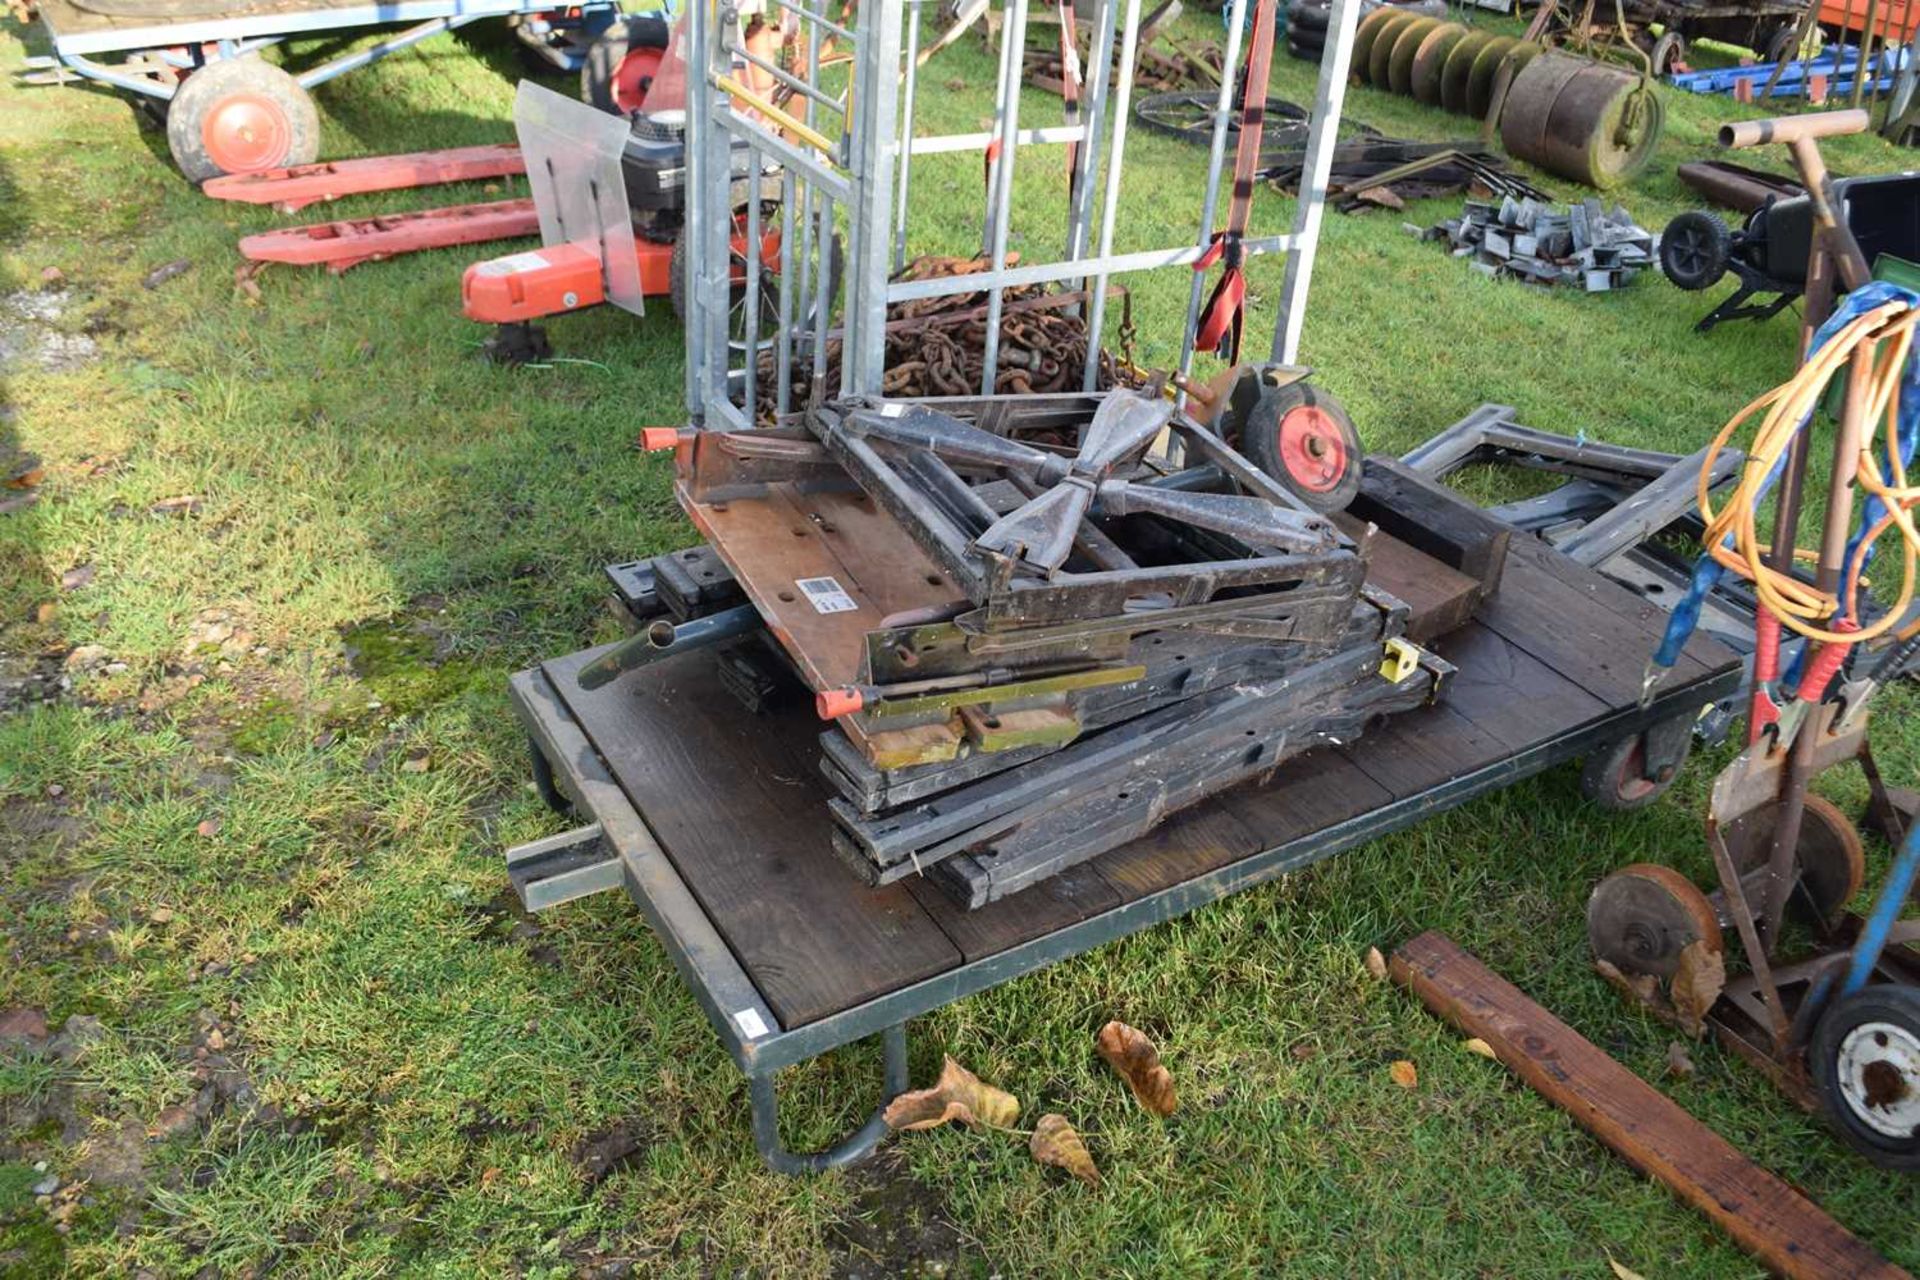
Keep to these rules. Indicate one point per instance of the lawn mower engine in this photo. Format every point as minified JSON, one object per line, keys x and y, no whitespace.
{"x":1769,"y":253}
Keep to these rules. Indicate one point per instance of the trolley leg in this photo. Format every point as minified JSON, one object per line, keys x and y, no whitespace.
{"x":766,"y":1117}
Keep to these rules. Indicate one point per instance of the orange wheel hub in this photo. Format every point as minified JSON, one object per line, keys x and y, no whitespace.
{"x":247,"y":132}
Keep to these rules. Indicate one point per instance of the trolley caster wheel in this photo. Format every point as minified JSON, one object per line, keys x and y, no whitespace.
{"x":1830,"y":863}
{"x":543,"y":783}
{"x":620,"y":65}
{"x":1694,"y":250}
{"x":1865,"y":1060}
{"x":1668,"y":50}
{"x":517,"y":344}
{"x":1640,"y":918}
{"x":1302,"y":437}
{"x":240,"y":115}
{"x":1619,"y":779}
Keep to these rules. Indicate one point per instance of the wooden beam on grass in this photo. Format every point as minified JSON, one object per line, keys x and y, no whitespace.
{"x":1765,"y":1216}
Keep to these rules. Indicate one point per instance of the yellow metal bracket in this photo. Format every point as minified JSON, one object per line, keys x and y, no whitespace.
{"x":1401,"y":660}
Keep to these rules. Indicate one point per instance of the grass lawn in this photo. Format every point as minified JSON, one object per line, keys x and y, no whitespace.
{"x":257,"y":767}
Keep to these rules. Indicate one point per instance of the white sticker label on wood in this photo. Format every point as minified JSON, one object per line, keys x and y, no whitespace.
{"x":826,"y":596}
{"x":751,"y":1024}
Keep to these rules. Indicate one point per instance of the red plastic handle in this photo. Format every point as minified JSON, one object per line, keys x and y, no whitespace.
{"x":1766,"y":652}
{"x":1826,"y":661}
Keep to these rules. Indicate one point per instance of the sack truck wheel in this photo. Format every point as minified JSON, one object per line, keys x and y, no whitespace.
{"x":241,"y":115}
{"x":1302,"y":437}
{"x":1669,"y":49}
{"x":621,"y":64}
{"x":1694,"y":250}
{"x":1865,"y":1059}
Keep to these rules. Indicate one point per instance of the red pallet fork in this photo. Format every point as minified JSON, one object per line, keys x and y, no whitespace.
{"x":348,"y":242}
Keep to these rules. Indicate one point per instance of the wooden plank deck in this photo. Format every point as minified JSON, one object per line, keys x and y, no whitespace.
{"x":739,"y":806}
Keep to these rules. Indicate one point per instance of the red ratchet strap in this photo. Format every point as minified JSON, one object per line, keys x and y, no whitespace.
{"x":1220,"y":319}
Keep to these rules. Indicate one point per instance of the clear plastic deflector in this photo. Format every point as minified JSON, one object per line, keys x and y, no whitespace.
{"x":573,"y":156}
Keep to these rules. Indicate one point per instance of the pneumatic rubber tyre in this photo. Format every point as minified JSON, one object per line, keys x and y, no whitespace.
{"x":1694,"y":250}
{"x":240,"y":115}
{"x":620,"y":66}
{"x":1865,"y":1060}
{"x":1301,"y":436}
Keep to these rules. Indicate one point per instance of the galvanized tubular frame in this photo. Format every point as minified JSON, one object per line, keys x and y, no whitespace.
{"x":869,"y":171}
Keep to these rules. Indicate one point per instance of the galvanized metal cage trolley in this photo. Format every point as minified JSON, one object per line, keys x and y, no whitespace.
{"x":846,"y":159}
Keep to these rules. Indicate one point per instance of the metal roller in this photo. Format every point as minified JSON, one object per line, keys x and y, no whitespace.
{"x":1405,"y":46}
{"x":1431,"y":58}
{"x":1371,"y":28}
{"x":1480,"y":75}
{"x":1453,"y":76}
{"x":1383,"y":47}
{"x":1583,"y":120}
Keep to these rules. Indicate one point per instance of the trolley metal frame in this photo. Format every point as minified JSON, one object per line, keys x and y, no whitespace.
{"x":158,"y":51}
{"x":847,"y":159}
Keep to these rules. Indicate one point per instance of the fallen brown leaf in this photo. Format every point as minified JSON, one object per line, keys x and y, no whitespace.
{"x":208,"y":827}
{"x":165,"y":272}
{"x":76,"y":577}
{"x":1622,"y":1273}
{"x":1385,"y":197}
{"x":46,"y":611}
{"x":1697,"y":982}
{"x":957,"y":1095}
{"x":184,"y":505}
{"x":1403,"y":1074}
{"x":52,"y":275}
{"x":1129,"y":1052}
{"x":161,"y":915}
{"x":1054,"y":1142}
{"x":246,"y":280}
{"x":415,"y":764}
{"x":1642,"y":987}
{"x":1679,"y":1062}
{"x":1376,"y":963}
{"x":1481,"y":1047}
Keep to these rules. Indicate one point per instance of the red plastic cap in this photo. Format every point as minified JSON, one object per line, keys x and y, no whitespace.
{"x":659,"y":439}
{"x":831,"y":704}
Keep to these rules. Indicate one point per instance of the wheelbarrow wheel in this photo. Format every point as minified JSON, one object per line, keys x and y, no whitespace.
{"x":1694,"y":250}
{"x":1616,"y":777}
{"x":1302,"y":437}
{"x":1669,"y":49}
{"x":1865,"y":1061}
{"x":619,"y":68}
{"x":1640,"y":919}
{"x":240,"y":115}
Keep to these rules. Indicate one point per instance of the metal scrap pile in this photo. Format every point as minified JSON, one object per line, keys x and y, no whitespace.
{"x":1588,"y":247}
{"x":935,"y":346}
{"x":1163,"y":61}
{"x":1375,"y":170}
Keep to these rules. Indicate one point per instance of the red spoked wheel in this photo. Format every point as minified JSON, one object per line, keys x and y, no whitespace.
{"x":620,"y":66}
{"x":241,"y":115}
{"x":1302,"y":437}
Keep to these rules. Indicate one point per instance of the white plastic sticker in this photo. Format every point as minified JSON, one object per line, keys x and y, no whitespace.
{"x":825,"y":595}
{"x":513,"y":264}
{"x":751,"y":1024}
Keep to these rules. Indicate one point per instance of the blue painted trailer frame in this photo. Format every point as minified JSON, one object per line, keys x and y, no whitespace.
{"x":155,"y":46}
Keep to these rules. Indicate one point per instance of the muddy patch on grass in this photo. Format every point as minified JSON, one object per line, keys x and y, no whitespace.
{"x":897,"y":1226}
{"x":31,"y":336}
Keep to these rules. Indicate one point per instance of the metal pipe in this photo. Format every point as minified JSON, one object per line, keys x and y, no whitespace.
{"x":1049,"y":272}
{"x":1330,"y":97}
{"x":1210,"y":202}
{"x":1014,"y":34}
{"x":1886,"y":910}
{"x":750,"y":333}
{"x":1110,"y":202}
{"x":366,"y":57}
{"x":662,"y":639}
{"x":1861,"y":62}
{"x":1093,"y":110}
{"x":908,"y":93}
{"x":1821,"y":124}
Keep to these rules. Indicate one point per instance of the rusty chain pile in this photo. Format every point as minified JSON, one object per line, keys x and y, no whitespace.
{"x":936,"y":346}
